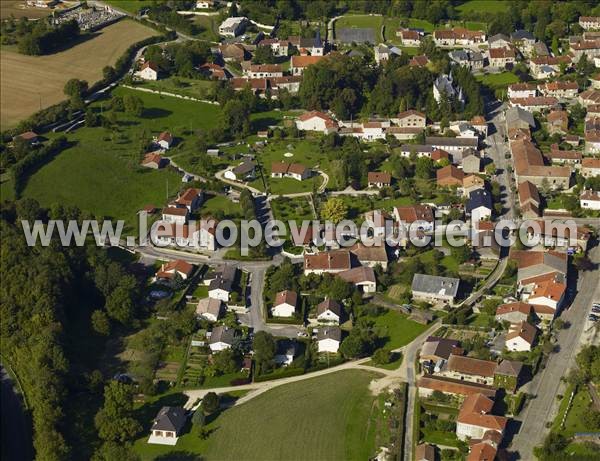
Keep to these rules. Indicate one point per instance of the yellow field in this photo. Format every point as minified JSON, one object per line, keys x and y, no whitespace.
{"x":18,"y":9}
{"x":25,"y":80}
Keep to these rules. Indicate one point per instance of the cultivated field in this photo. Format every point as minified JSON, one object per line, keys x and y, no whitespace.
{"x":30,"y":81}
{"x":18,"y":10}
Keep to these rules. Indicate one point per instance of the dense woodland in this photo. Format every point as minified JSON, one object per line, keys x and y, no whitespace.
{"x":37,"y":37}
{"x":57,"y":303}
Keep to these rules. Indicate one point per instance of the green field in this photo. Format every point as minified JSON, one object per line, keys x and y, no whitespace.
{"x":100,"y":173}
{"x":497,"y":81}
{"x":361,"y":21}
{"x":131,"y":6}
{"x":400,"y":330}
{"x":306,"y":152}
{"x":332,"y":418}
{"x":483,"y":6}
{"x":194,"y":88}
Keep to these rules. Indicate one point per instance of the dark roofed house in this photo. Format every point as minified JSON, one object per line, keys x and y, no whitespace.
{"x":328,"y":339}
{"x":435,"y":349}
{"x":167,"y":426}
{"x":508,"y":375}
{"x":434,"y":288}
{"x":479,"y":205}
{"x":221,"y":338}
{"x":329,"y":311}
{"x":425,"y":452}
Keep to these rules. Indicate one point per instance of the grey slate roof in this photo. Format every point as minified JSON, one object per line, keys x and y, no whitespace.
{"x":479,"y":198}
{"x":222,"y":334}
{"x":224,"y":279}
{"x":169,"y":419}
{"x":516,"y":115}
{"x":329,"y":333}
{"x":434,"y":284}
{"x":522,"y":34}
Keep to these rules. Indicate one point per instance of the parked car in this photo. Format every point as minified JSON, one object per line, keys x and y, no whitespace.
{"x":593,"y":318}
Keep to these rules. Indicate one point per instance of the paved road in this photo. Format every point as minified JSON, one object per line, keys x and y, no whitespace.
{"x":546,"y":384}
{"x":496,"y":151}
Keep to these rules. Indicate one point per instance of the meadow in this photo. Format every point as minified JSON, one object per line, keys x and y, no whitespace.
{"x":332,"y":419}
{"x":480,"y":6}
{"x":399,"y":329}
{"x":30,"y":83}
{"x":100,"y":172}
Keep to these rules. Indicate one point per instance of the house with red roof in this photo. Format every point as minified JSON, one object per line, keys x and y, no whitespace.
{"x":285,"y":304}
{"x":173,"y":268}
{"x":148,"y":71}
{"x":475,"y":418}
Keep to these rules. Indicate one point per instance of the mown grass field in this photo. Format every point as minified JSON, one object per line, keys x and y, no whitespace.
{"x":483,"y":6}
{"x":100,"y":173}
{"x":131,"y":6}
{"x":497,"y":81}
{"x":28,"y":82}
{"x":329,"y":418}
{"x":400,"y":330}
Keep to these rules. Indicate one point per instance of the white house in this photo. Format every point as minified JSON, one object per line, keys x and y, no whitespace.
{"x":209,"y":309}
{"x":520,"y":337}
{"x":149,"y":71}
{"x":316,"y":121}
{"x":361,"y":277}
{"x":164,"y":140}
{"x":175,"y":215}
{"x":521,"y":90}
{"x":475,"y":418}
{"x":329,"y":311}
{"x":328,"y":339}
{"x":221,"y":286}
{"x":221,"y":338}
{"x":549,"y":292}
{"x":167,"y":426}
{"x":479,"y":205}
{"x":434,"y":288}
{"x":285,"y":304}
{"x":410,"y":119}
{"x":232,"y":27}
{"x":590,"y":199}
{"x":286,"y":350}
{"x":589,"y":22}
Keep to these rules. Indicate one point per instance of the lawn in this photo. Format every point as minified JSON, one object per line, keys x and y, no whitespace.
{"x":498,"y":81}
{"x":575,"y":422}
{"x":194,"y":88}
{"x":29,"y":83}
{"x":331,"y":418}
{"x":483,"y":6}
{"x":99,"y":174}
{"x":220,"y":203}
{"x":361,"y":21}
{"x":131,"y":6}
{"x":399,"y":330}
{"x":210,"y":28}
{"x":305,"y":152}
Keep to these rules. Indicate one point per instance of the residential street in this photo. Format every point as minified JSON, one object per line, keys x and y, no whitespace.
{"x":496,"y":151}
{"x":547,"y":383}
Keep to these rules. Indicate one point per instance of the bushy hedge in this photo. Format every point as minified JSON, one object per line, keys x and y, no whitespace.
{"x":281,"y":373}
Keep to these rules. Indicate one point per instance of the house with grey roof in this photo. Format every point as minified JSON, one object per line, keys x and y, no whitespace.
{"x":329,"y":339}
{"x":517,"y":117}
{"x":432,"y":288}
{"x":221,"y":338}
{"x":167,"y":426}
{"x":245,"y":171}
{"x":221,"y":286}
